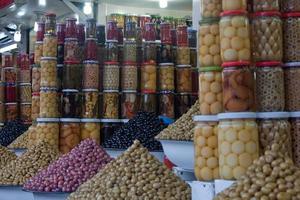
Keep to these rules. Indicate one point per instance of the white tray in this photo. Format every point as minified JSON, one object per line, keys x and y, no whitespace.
{"x":115,"y":153}
{"x":203,"y":190}
{"x":181,"y":153}
{"x":221,"y":185}
{"x":184,"y":174}
{"x":50,"y":195}
{"x":14,"y":193}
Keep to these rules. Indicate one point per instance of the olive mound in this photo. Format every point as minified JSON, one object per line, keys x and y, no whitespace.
{"x":6,"y":156}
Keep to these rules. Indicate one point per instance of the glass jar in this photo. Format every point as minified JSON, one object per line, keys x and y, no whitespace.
{"x":166,"y":77}
{"x":108,"y":126}
{"x":35,"y":107}
{"x":11,"y":111}
{"x":290,"y":6}
{"x":149,"y":33}
{"x":148,"y":77}
{"x":183,"y":56}
{"x":183,"y":78}
{"x":24,"y":61}
{"x":270,"y":5}
{"x":72,"y":75}
{"x":100,"y":34}
{"x":70,"y":49}
{"x":7,"y":59}
{"x":112,"y":30}
{"x":149,"y":52}
{"x":165,"y":54}
{"x":238,"y":144}
{"x":143,"y":20}
{"x":48,"y":72}
{"x":237,"y":5}
{"x":291,"y":37}
{"x":69,"y":134}
{"x":291,"y":82}
{"x":211,"y":8}
{"x":267,"y":36}
{"x":48,"y":103}
{"x":270,"y":95}
{"x":206,"y":147}
{"x":90,"y":129}
{"x":148,"y":102}
{"x":130,"y":51}
{"x":238,"y":87}
{"x":25,"y":112}
{"x":50,"y":23}
{"x":40,"y":31}
{"x":129,"y":80}
{"x":110,"y":104}
{"x":165,"y":33}
{"x":111,"y":76}
{"x":36,"y":78}
{"x":10,"y":74}
{"x":209,"y":43}
{"x":2,"y":92}
{"x":119,"y":18}
{"x":80,"y":34}
{"x":182,"y":103}
{"x":166,"y":104}
{"x":91,"y":49}
{"x":112,"y":50}
{"x":129,"y":104}
{"x":10,"y":93}
{"x":50,"y":46}
{"x":24,"y":76}
{"x":38,"y":52}
{"x":48,"y":131}
{"x":182,"y":36}
{"x":130,"y":31}
{"x":2,"y":112}
{"x":90,"y":74}
{"x":90,"y":28}
{"x":274,"y":128}
{"x":101,"y":54}
{"x":295,"y":134}
{"x":60,"y":32}
{"x":210,"y":90}
{"x":71,"y":104}
{"x":90,"y":103}
{"x":235,"y":36}
{"x":25,"y":92}
{"x":71,"y":28}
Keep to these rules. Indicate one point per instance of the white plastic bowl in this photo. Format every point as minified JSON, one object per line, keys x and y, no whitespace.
{"x":116,"y":152}
{"x":14,"y":193}
{"x":181,"y":153}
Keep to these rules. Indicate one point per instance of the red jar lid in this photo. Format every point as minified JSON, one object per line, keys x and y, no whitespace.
{"x":291,"y":14}
{"x":268,"y":64}
{"x":148,"y":91}
{"x":233,"y":12}
{"x":149,"y":63}
{"x":267,"y":14}
{"x":72,"y":62}
{"x":235,"y":64}
{"x":111,"y":63}
{"x":129,"y":63}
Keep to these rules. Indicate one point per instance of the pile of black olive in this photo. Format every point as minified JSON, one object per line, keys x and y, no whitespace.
{"x":143,"y":127}
{"x":10,"y":131}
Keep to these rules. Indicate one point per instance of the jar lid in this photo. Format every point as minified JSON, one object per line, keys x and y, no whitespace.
{"x":148,"y":91}
{"x":35,"y":94}
{"x":210,"y":68}
{"x":11,"y":103}
{"x":72,"y":62}
{"x":292,"y":64}
{"x":90,"y":62}
{"x":90,"y":90}
{"x":129,"y":63}
{"x":148,"y":63}
{"x":24,"y":84}
{"x":291,"y":14}
{"x":267,"y":14}
{"x":236,"y":64}
{"x":129,"y":91}
{"x":112,"y":41}
{"x":179,"y":66}
{"x":166,"y":64}
{"x":88,"y":120}
{"x":167,"y":92}
{"x":112,"y":91}
{"x":71,"y":39}
{"x":60,"y":65}
{"x":294,"y":114}
{"x":45,"y":89}
{"x":268,"y":64}
{"x":233,"y":12}
{"x":111,"y":63}
{"x":111,"y":120}
{"x":48,"y":58}
{"x":26,"y":103}
{"x":237,"y":115}
{"x":272,"y":115}
{"x":205,"y":118}
{"x":70,"y":90}
{"x":209,"y":21}
{"x":69,"y":120}
{"x":47,"y":119}
{"x":39,"y":42}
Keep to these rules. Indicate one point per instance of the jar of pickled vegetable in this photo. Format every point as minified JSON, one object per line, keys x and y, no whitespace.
{"x":111,"y":76}
{"x":148,"y":77}
{"x":36,"y":78}
{"x":182,"y":36}
{"x":40,"y":31}
{"x":69,"y":136}
{"x":90,"y":74}
{"x":70,"y":49}
{"x":291,"y":82}
{"x":10,"y":92}
{"x":60,"y":32}
{"x":211,"y":8}
{"x":183,"y":56}
{"x":167,"y":104}
{"x":24,"y":76}
{"x":71,"y":28}
{"x":23,"y":61}
{"x":129,"y":104}
{"x":129,"y":79}
{"x":71,"y":103}
{"x":25,"y":92}
{"x":236,"y":5}
{"x":100,"y":34}
{"x":234,"y":36}
{"x":166,"y":77}
{"x":206,"y":147}
{"x":112,"y":30}
{"x":238,"y":87}
{"x":149,"y":51}
{"x":90,"y":103}
{"x":130,"y":31}
{"x":48,"y":72}
{"x":274,"y":128}
{"x":35,"y":107}
{"x":165,"y":55}
{"x":149,"y":32}
{"x":295,"y":134}
{"x":110,"y":104}
{"x":25,"y":112}
{"x":50,"y":24}
{"x":91,"y":49}
{"x":290,"y":6}
{"x":165,"y":33}
{"x":90,"y":129}
{"x":50,"y":46}
{"x":182,"y":103}
{"x":238,"y":144}
{"x":130,"y":51}
{"x":10,"y":74}
{"x":112,"y":50}
{"x":183,"y":77}
{"x":48,"y":102}
{"x":148,"y":102}
{"x":7,"y":59}
{"x":48,"y":131}
{"x":72,"y":75}
{"x":269,"y":5}
{"x":90,"y":28}
{"x":270,"y":94}
{"x":11,"y":111}
{"x":38,"y":52}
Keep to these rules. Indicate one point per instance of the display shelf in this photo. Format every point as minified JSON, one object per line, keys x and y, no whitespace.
{"x":117,"y":152}
{"x":205,"y":190}
{"x":221,"y":185}
{"x":14,"y":193}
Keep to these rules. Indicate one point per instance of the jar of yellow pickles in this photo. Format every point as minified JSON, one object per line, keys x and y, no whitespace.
{"x":90,"y":128}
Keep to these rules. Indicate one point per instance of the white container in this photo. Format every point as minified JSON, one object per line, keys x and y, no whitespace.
{"x":50,"y":195}
{"x":184,"y":174}
{"x":221,"y":185}
{"x":203,"y":190}
{"x":14,"y":193}
{"x":115,"y":153}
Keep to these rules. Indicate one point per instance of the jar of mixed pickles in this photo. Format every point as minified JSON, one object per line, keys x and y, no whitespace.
{"x":210,"y":90}
{"x":165,"y":55}
{"x":91,"y":49}
{"x":35,"y":107}
{"x":71,"y":28}
{"x":11,"y":111}
{"x":274,"y":128}
{"x":9,"y":74}
{"x":130,"y":31}
{"x":238,"y":143}
{"x":129,"y":104}
{"x":90,"y":28}
{"x":166,"y":77}
{"x":235,"y":36}
{"x":270,"y":94}
{"x":130,"y":51}
{"x":111,"y":76}
{"x":90,"y":74}
{"x":48,"y":131}
{"x":25,"y":92}
{"x":112,"y":50}
{"x":148,"y":101}
{"x":182,"y":103}
{"x":182,"y":36}
{"x":50,"y":24}
{"x":183,"y":56}
{"x":90,"y":129}
{"x":206,"y":147}
{"x":50,"y":46}
{"x":71,"y":103}
{"x":237,"y":5}
{"x":60,"y":32}
{"x":129,"y":79}
{"x":167,"y":104}
{"x":238,"y":87}
{"x":70,"y":49}
{"x":148,"y":77}
{"x":149,"y":33}
{"x":25,"y":112}
{"x":295,"y":134}
{"x":149,"y":51}
{"x":48,"y":102}
{"x":38,"y":52}
{"x":10,"y":92}
{"x":165,"y":33}
{"x":24,"y":76}
{"x":7,"y":59}
{"x":72,"y":75}
{"x":48,"y":72}
{"x":209,"y":43}
{"x":290,"y":6}
{"x":211,"y":8}
{"x":110,"y":104}
{"x":183,"y":78}
{"x":36,"y":78}
{"x":112,"y":30}
{"x":270,"y":5}
{"x":90,"y":103}
{"x":69,"y":134}
{"x":291,"y":82}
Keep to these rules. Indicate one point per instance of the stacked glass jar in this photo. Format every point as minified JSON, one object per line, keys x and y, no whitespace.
{"x":192,"y":39}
